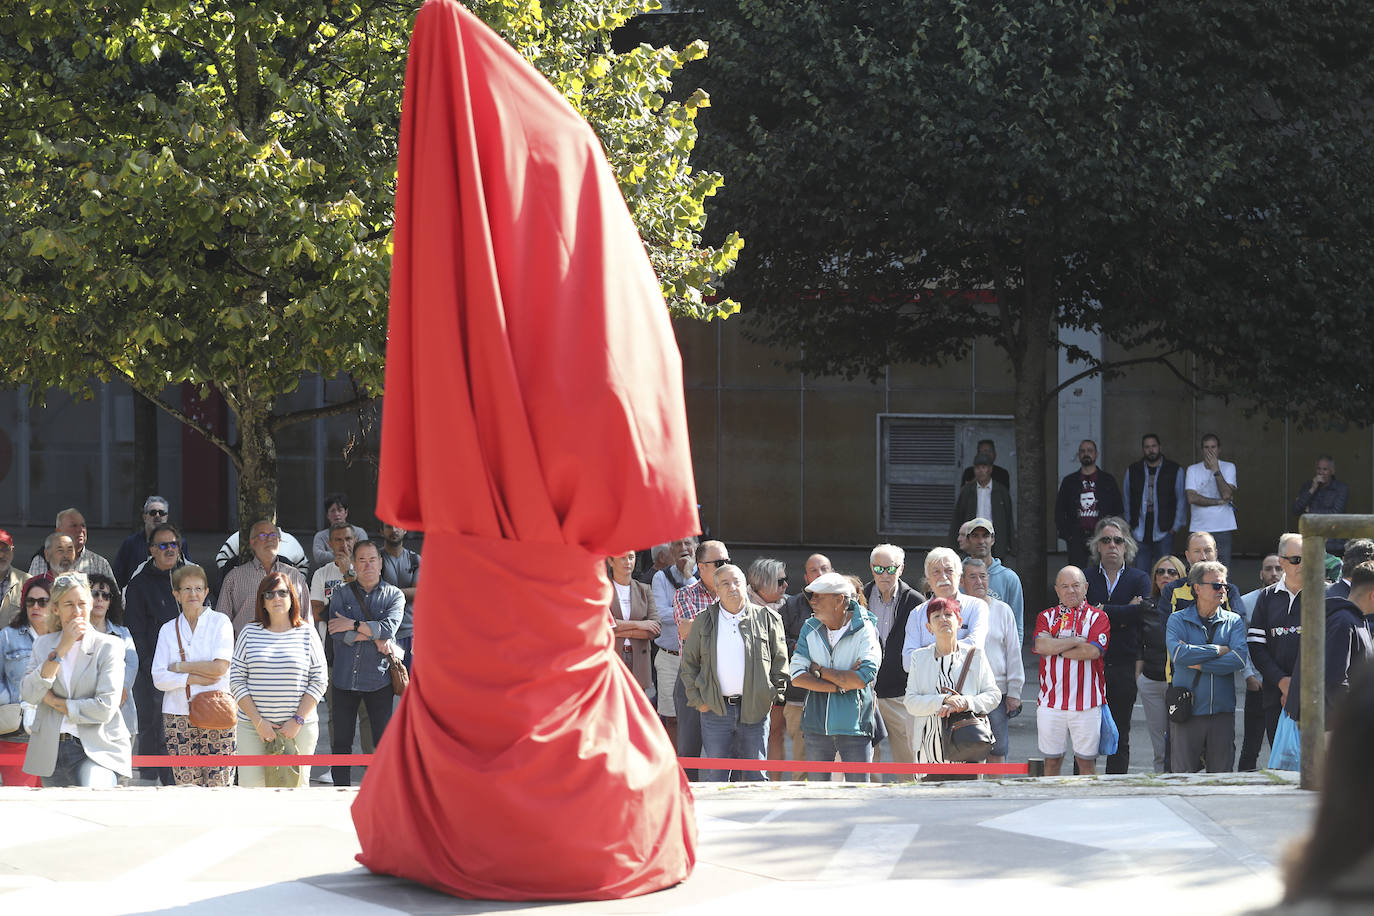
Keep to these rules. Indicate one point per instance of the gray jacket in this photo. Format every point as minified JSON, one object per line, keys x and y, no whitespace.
{"x":92,"y":704}
{"x":765,"y":663}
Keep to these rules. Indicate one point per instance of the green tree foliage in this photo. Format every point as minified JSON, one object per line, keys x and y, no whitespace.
{"x":1184,"y":177}
{"x":202,"y":193}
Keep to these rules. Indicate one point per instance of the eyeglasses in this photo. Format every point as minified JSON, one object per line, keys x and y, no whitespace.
{"x":165,"y":546}
{"x":277,"y":593}
{"x":101,"y":593}
{"x":716,"y":563}
{"x":1110,"y":539}
{"x":193,"y":589}
{"x":890,"y":570}
{"x":1296,"y":559}
{"x":1216,"y":586}
{"x":35,"y":602}
{"x":267,"y":535}
{"x":160,"y":513}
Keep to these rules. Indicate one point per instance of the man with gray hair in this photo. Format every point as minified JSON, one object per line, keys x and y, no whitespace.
{"x":1119,"y":590}
{"x":133,"y":552}
{"x":942,"y":576}
{"x":73,"y":524}
{"x":238,"y":593}
{"x":1324,"y":495}
{"x":796,"y":611}
{"x":1207,"y":646}
{"x":660,"y":557}
{"x":1003,"y":649}
{"x":891,"y":602}
{"x":1276,"y":630}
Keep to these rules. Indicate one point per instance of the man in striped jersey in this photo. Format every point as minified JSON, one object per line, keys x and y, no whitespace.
{"x":1071,"y":639}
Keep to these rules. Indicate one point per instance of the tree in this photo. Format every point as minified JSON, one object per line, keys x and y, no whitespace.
{"x":1185,"y":178}
{"x":203,"y":193}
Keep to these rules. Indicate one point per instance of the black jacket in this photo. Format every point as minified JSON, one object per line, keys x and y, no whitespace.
{"x":1066,"y":502}
{"x":1347,"y":645}
{"x":891,"y":676}
{"x":1275,"y":634}
{"x":1126,"y":618}
{"x":148,"y":604}
{"x":796,"y":610}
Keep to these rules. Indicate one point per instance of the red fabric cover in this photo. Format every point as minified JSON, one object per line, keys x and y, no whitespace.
{"x":533,"y":424}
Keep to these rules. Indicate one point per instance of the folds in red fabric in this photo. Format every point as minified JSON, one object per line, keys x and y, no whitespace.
{"x":533,"y":424}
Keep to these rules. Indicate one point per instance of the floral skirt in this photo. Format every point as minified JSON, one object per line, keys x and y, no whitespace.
{"x":184,"y":739}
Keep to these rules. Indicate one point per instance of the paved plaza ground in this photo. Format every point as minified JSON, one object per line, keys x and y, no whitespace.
{"x":1120,"y":845}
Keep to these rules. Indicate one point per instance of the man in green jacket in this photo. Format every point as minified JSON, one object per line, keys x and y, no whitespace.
{"x":734,"y":668}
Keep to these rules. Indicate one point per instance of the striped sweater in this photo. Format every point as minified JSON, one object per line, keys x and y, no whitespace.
{"x":276,"y":670}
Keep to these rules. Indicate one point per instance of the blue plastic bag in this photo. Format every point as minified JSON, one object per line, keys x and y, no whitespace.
{"x":1286,"y":751}
{"x":1108,"y":738}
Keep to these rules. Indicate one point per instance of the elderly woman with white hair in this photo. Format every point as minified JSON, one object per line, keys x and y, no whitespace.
{"x":75,"y":679}
{"x":943,"y":570}
{"x":836,"y":662}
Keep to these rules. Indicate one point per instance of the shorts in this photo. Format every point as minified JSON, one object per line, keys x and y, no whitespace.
{"x":666,"y":664}
{"x":1054,"y":728}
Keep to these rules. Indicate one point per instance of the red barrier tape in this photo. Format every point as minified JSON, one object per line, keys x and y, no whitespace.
{"x":703,"y":763}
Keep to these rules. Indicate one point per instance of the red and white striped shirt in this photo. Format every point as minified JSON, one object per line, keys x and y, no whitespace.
{"x":1068,"y":683}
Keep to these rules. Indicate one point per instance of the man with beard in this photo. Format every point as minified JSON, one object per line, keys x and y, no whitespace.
{"x":73,"y":524}
{"x":1156,"y":503}
{"x":1211,"y":488}
{"x":401,"y":567}
{"x":1085,"y":496}
{"x":1003,"y":583}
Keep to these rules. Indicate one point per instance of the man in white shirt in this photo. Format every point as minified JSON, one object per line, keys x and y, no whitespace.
{"x":1003,"y":648}
{"x":1211,"y":488}
{"x":942,"y":576}
{"x":335,"y":573}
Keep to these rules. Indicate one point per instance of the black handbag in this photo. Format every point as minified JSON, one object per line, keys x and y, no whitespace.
{"x":1178,"y":700}
{"x":967,"y":736}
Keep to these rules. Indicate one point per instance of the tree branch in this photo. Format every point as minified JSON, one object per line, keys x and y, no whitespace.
{"x":319,"y":413}
{"x":178,"y":414}
{"x":1104,"y":368}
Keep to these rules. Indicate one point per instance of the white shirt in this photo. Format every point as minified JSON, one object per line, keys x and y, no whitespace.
{"x":1200,"y":480}
{"x":327,"y":578}
{"x":729,"y":653}
{"x":213,"y":639}
{"x":984,"y":500}
{"x":1003,"y":648}
{"x":622,"y":594}
{"x":68,"y":666}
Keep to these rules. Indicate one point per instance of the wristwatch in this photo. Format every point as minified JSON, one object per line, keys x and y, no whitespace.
{"x":52,"y":656}
{"x":356,"y":624}
{"x":298,"y":720}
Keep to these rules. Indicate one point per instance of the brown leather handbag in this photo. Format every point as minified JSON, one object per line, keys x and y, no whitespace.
{"x":211,"y":708}
{"x":395,"y":668}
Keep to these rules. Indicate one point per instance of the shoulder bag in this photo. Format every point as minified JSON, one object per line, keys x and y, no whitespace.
{"x":211,"y":708}
{"x":400,"y":677}
{"x":1178,"y":700}
{"x":967,"y":735}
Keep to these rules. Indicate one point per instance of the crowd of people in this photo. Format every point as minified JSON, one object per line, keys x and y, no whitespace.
{"x":147,"y":653}
{"x":155,"y":652}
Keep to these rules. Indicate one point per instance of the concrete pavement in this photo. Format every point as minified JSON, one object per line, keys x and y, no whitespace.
{"x":1130,"y":844}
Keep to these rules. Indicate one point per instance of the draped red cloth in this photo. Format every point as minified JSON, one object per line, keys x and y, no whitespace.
{"x":533,"y":424}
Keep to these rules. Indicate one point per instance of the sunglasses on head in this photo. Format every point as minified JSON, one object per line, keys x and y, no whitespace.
{"x":889,"y":570}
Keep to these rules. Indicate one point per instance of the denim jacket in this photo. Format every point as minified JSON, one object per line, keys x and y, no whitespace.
{"x":357,"y":663}
{"x":15,"y":647}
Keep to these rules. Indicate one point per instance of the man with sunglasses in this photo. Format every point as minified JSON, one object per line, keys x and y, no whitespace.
{"x":891,"y":601}
{"x":133,"y":552}
{"x":149,"y":603}
{"x":1120,"y":590}
{"x":1276,"y":631}
{"x":687,"y":604}
{"x":1207,"y":647}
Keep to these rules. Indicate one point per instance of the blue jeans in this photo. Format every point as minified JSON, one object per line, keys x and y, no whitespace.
{"x":1151,"y":552}
{"x":727,"y":736}
{"x":851,"y":748}
{"x":998,"y":719}
{"x":688,"y":727}
{"x":74,"y":768}
{"x":1224,"y":539}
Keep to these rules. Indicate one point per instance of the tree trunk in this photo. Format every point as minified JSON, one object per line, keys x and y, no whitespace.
{"x":257,"y":496}
{"x":145,"y":458}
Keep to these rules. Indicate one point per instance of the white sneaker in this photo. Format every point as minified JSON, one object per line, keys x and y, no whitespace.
{"x":325,"y":779}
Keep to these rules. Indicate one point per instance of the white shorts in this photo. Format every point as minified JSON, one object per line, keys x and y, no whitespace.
{"x":666,"y":664}
{"x":1054,"y":728}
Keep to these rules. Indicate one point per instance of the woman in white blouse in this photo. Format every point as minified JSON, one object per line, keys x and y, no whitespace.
{"x":198,"y":662}
{"x":930,"y":685}
{"x":277,"y":678}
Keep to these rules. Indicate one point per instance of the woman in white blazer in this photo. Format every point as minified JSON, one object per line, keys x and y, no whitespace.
{"x":75,"y":679}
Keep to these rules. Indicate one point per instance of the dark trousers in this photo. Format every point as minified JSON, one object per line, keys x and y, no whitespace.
{"x":345,"y":721}
{"x":1272,"y":707}
{"x":1121,"y":692}
{"x":1253,"y":734}
{"x":151,"y":742}
{"x":688,"y":726}
{"x":1212,"y":737}
{"x":1078,"y":551}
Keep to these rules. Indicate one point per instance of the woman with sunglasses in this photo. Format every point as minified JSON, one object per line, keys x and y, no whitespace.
{"x":278,"y":677}
{"x":16,"y":645}
{"x":107,"y":616}
{"x":1149,"y":669}
{"x":75,"y":680}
